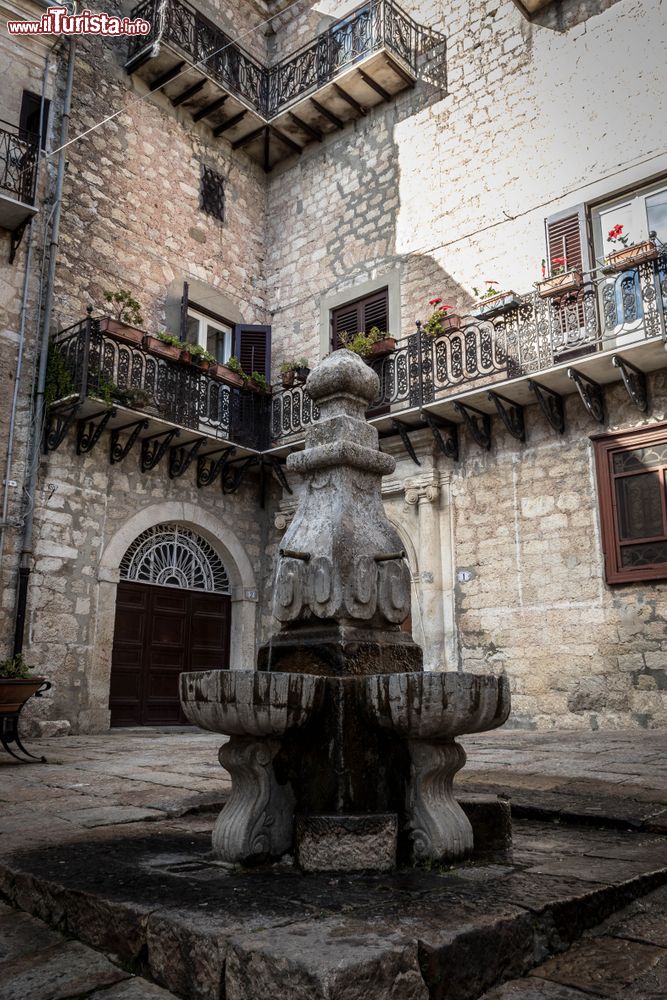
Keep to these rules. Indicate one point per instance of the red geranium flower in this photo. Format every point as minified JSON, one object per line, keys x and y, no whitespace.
{"x":445,"y":308}
{"x":434,"y":302}
{"x":557,"y":260}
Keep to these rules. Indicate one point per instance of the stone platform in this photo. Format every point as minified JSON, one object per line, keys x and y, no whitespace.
{"x":155,"y":898}
{"x":111,"y":847}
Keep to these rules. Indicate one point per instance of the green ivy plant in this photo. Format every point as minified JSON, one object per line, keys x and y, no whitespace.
{"x":197,"y":351}
{"x":15,"y":668}
{"x":126,"y":308}
{"x":59,"y":381}
{"x":234,"y":365}
{"x":260,"y":381}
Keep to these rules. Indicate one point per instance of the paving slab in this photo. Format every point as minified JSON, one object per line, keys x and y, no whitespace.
{"x":603,"y":966}
{"x":65,"y":970}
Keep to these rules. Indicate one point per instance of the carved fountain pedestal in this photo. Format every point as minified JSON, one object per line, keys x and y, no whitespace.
{"x":339,"y":739}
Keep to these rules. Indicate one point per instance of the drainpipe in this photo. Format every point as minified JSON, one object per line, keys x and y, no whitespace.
{"x":23,"y":314}
{"x":33,"y":461}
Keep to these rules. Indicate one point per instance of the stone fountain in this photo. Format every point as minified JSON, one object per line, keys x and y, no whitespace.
{"x":341,"y":748}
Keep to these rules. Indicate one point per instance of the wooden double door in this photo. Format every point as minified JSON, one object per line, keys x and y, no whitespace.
{"x":161,"y":632}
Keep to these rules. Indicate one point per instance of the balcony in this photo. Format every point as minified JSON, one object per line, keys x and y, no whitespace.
{"x":18,"y":178}
{"x":158,"y":408}
{"x":274,"y":112}
{"x":539,"y":351}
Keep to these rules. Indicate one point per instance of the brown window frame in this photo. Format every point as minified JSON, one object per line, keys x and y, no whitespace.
{"x":361,"y":322}
{"x":606,"y":446}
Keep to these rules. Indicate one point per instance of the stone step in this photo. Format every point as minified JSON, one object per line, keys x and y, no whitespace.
{"x":156,"y":898}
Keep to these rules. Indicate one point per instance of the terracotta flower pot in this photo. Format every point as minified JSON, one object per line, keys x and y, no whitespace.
{"x":287,"y":379}
{"x":157,"y":346}
{"x":384,"y":346}
{"x":121,"y":331}
{"x":449,"y":322}
{"x":629,"y":257}
{"x":559,"y":284}
{"x":15,"y":691}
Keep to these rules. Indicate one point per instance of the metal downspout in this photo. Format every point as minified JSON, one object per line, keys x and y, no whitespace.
{"x":33,"y":464}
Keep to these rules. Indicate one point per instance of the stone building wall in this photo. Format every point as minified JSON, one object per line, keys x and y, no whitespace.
{"x":451,"y":186}
{"x":86,"y":520}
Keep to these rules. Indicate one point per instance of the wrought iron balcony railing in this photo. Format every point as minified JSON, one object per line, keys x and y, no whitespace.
{"x":373,"y":26}
{"x":18,"y":163}
{"x":533,"y":337}
{"x":86,"y":363}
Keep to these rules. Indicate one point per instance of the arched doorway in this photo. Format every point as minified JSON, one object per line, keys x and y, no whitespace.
{"x":173,"y":613}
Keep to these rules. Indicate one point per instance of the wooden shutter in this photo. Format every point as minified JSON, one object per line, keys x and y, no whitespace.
{"x":252,"y":346}
{"x":360,"y":316}
{"x":567,"y":236}
{"x":30,"y":125}
{"x":185,"y":302}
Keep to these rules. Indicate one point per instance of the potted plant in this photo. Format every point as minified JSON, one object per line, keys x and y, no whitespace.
{"x":258,"y":383}
{"x":441,"y":319}
{"x":200,"y":356}
{"x":291,"y":370}
{"x":134,"y":396}
{"x":383,"y":343}
{"x":302,"y":369}
{"x":631,"y":254}
{"x":562,"y":279}
{"x":493,"y":302}
{"x":165,"y":345}
{"x":125,"y":324}
{"x":16,"y":684}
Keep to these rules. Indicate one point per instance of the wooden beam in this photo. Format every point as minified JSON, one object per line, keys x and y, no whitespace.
{"x":359,"y":108}
{"x":230,"y":123}
{"x":164,"y":79}
{"x":294,"y":146}
{"x":384,"y":94}
{"x":267,"y":150}
{"x":410,"y":80}
{"x":187,"y":94}
{"x":334,"y":119}
{"x":309,"y":129}
{"x":208,"y":109}
{"x":246,"y":139}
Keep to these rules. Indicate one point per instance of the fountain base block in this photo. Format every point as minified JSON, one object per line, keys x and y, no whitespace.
{"x":349,"y":843}
{"x":340,"y":650}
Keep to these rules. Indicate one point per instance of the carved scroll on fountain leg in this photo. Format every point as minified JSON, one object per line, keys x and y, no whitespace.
{"x":258,"y":819}
{"x":438,"y":828}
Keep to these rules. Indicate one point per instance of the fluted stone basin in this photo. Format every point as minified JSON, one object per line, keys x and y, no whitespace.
{"x":248,"y":703}
{"x":437,"y":706}
{"x":429,"y":711}
{"x":255,"y":710}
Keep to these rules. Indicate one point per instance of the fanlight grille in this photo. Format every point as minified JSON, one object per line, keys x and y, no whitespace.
{"x":169,"y":555}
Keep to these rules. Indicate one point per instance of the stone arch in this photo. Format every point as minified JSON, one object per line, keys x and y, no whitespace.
{"x":239,"y":569}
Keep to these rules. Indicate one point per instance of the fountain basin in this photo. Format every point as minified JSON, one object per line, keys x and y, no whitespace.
{"x":437,"y":706}
{"x":249,"y":703}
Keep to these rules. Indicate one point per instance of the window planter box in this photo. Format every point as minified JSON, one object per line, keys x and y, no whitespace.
{"x":382,"y":347}
{"x":226,"y":375}
{"x":200,"y":363}
{"x":559,"y":284}
{"x":122,"y":331}
{"x":629,"y":257}
{"x":496,"y":305}
{"x":157,"y":346}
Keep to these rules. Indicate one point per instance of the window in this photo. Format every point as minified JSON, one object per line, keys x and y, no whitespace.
{"x":210,"y":331}
{"x":360,"y":316}
{"x":29,"y":121}
{"x":212,"y":193}
{"x":631,"y":474}
{"x":641,"y":212}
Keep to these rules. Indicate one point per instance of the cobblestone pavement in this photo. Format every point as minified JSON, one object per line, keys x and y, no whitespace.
{"x":94,"y":786}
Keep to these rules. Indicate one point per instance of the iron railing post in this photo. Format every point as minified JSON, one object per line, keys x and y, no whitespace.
{"x":85,"y":358}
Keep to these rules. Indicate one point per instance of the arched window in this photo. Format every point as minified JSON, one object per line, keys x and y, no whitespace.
{"x":170,"y":555}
